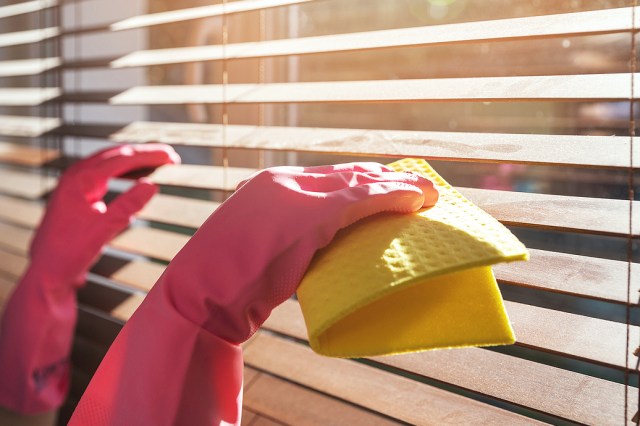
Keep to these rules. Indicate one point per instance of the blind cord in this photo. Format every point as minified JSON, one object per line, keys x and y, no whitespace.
{"x":632,"y":131}
{"x":77,"y":9}
{"x":261,"y":79}
{"x":225,"y":112}
{"x":42,"y":143}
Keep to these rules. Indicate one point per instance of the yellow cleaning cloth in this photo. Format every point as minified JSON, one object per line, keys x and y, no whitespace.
{"x":399,"y":283}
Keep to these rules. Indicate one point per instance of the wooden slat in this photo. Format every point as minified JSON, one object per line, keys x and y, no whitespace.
{"x":248,"y":418}
{"x":200,"y":12}
{"x":411,"y":401}
{"x":473,"y":124}
{"x":150,"y":242}
{"x":15,"y":239}
{"x":27,"y":66}
{"x":584,"y":276}
{"x":30,"y":36}
{"x":589,"y":151}
{"x":579,"y":214}
{"x":576,"y":336}
{"x":25,"y":155}
{"x":581,"y":276}
{"x":264,"y":421}
{"x":124,"y":310}
{"x":249,"y":375}
{"x":139,"y":274}
{"x":294,"y":405}
{"x":21,"y":212}
{"x":548,"y":389}
{"x":203,"y":177}
{"x":25,"y":7}
{"x":562,"y":213}
{"x":27,"y":96}
{"x":12,"y":264}
{"x":27,"y":126}
{"x":571,"y":274}
{"x":560,"y":25}
{"x":601,"y":87}
{"x":178,"y":210}
{"x":26,"y":185}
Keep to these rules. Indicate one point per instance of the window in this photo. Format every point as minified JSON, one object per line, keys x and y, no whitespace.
{"x":527,"y":106}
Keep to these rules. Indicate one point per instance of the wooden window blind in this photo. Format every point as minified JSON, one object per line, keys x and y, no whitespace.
{"x":528,"y":107}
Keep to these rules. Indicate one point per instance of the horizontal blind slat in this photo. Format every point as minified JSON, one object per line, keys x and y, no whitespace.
{"x":588,"y":151}
{"x":180,"y":211}
{"x":25,"y":7}
{"x":26,"y":213}
{"x":26,"y":155}
{"x":26,"y":185}
{"x":127,"y":307}
{"x":476,"y":124}
{"x":203,"y":177}
{"x":14,"y":239}
{"x":559,"y":25}
{"x":27,"y":126}
{"x":557,"y":212}
{"x":530,"y":88}
{"x":26,"y":37}
{"x":583,"y":276}
{"x":572,"y":335}
{"x":200,"y":12}
{"x":27,"y":96}
{"x":12,"y":264}
{"x":27,"y":66}
{"x":150,"y":242}
{"x":138,"y":274}
{"x":563,"y":213}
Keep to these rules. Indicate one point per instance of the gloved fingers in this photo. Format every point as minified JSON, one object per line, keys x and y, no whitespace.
{"x":336,"y":181}
{"x":120,"y":160}
{"x":126,"y":158}
{"x":362,"y":167}
{"x":358,"y":202}
{"x":121,"y":210}
{"x":272,"y":171}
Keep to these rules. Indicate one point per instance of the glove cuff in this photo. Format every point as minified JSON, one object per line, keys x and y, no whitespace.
{"x":36,"y":334}
{"x":163,"y":369}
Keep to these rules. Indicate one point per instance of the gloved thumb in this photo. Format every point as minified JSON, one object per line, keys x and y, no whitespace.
{"x":121,"y":210}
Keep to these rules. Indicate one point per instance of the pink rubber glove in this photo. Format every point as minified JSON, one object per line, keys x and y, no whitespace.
{"x":176,"y":361}
{"x":37,"y":327}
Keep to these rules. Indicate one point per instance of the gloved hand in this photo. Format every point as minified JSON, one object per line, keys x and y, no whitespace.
{"x":36,"y":329}
{"x":176,"y":360}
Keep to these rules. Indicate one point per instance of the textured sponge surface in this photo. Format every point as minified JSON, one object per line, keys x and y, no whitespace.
{"x":396,"y":283}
